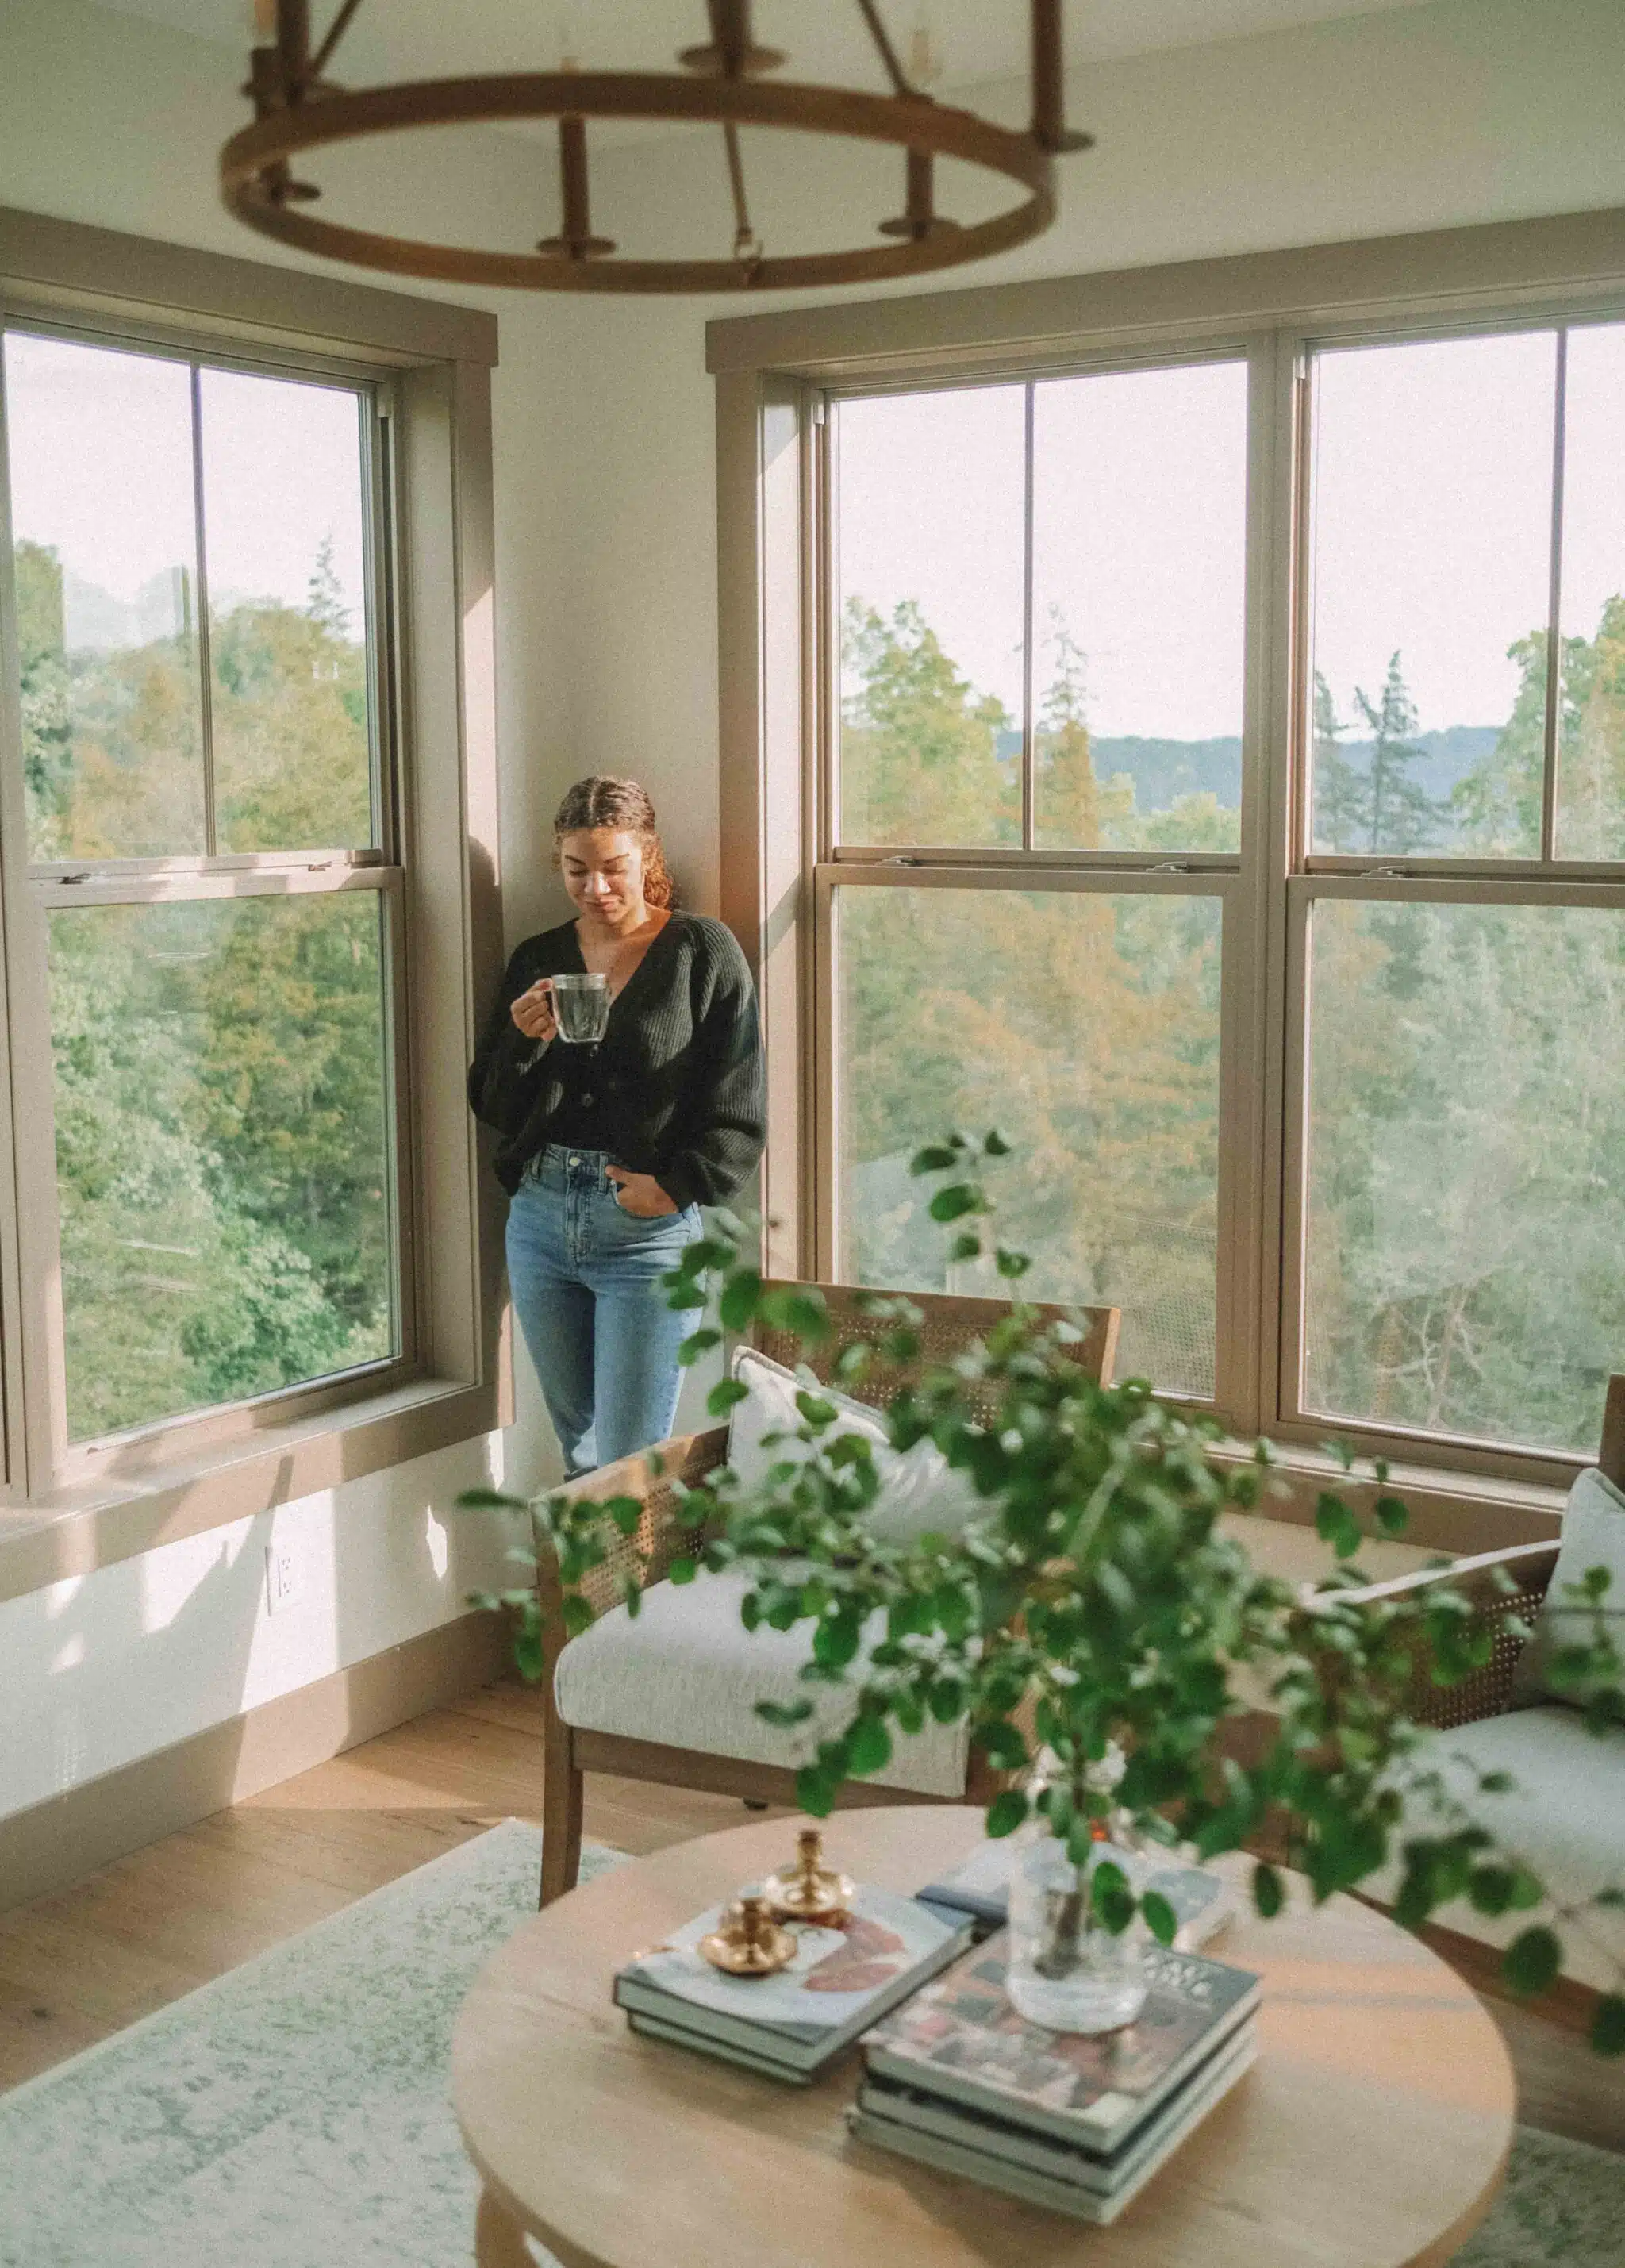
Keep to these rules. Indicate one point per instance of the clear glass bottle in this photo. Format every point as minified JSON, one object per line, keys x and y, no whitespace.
{"x":1067,"y":1970}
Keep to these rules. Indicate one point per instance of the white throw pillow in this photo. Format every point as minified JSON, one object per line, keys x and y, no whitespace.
{"x":1594,"y":1535}
{"x":920,"y":1492}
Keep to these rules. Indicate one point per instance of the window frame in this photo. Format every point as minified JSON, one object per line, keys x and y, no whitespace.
{"x":776,"y":375}
{"x":422,"y":369}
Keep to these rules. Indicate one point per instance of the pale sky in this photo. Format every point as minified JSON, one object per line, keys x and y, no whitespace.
{"x":100,"y":457}
{"x":1432,"y":516}
{"x":1431,"y":519}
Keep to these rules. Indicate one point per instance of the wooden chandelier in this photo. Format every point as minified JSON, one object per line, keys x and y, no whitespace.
{"x":299,"y":109}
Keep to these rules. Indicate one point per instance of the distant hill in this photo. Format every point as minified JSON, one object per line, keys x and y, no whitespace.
{"x":1165,"y":770}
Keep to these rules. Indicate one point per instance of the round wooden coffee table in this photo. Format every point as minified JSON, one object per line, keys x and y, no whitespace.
{"x":1372,"y":2132}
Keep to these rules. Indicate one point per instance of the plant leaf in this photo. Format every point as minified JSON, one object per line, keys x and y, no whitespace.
{"x":1608,"y":2025}
{"x":1268,"y":1890}
{"x":1006,"y":1811}
{"x":1532,"y":1961}
{"x":1160,"y":1918}
{"x":740,"y":1298}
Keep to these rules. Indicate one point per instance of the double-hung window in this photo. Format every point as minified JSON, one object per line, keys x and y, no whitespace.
{"x":1456,"y":1167}
{"x":1038,"y":590}
{"x":207,"y":907}
{"x":1214,"y":778}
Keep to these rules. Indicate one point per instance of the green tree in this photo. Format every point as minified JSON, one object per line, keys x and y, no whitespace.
{"x":920,"y":747}
{"x":1341,"y":795}
{"x":1390,"y":808}
{"x":47,"y":757}
{"x":1087,"y":1022}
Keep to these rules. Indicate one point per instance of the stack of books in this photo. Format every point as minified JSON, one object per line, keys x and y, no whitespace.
{"x":792,"y":2025}
{"x":957,"y":2080}
{"x":1203,"y":1902}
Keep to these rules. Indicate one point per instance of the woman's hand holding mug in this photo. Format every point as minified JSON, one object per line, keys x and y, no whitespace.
{"x":533,"y":1012}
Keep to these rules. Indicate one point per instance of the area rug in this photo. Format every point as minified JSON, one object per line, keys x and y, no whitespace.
{"x":295,"y":2113}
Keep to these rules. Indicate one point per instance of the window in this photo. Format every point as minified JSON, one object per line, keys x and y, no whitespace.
{"x":198,"y":555}
{"x":1221,"y":789}
{"x":1041,"y":594}
{"x":1463,"y":984}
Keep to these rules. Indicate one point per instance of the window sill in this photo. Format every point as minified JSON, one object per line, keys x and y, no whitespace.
{"x":1449,"y":1511}
{"x":74,"y":1530}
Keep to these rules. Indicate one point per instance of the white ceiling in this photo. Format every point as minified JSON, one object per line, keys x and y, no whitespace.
{"x":980,"y":40}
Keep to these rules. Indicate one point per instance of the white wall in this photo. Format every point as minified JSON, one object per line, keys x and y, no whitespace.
{"x":1461,"y":111}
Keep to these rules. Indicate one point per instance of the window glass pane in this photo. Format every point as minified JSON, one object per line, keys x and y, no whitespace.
{"x":1466,"y":1210}
{"x":1431,"y":545}
{"x":931,"y":517}
{"x":283,"y":518}
{"x":1085,"y":1026}
{"x":104,"y":523}
{"x":1591,"y":759}
{"x":221,"y":1149}
{"x":1139,"y":590}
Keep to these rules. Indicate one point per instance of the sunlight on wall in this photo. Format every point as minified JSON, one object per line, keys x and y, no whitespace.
{"x":439,"y":1546}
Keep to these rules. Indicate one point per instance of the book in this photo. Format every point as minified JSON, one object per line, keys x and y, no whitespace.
{"x":1203,"y":1902}
{"x":791,"y":2025}
{"x":1003,"y":2138}
{"x":1061,"y":2190}
{"x":960,"y":2037}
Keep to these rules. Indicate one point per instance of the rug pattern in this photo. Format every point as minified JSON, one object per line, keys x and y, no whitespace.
{"x":295,"y":2114}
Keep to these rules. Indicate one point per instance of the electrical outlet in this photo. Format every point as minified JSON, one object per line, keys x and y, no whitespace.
{"x":281,"y":1576}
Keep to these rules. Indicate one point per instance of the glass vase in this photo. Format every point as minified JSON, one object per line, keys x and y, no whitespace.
{"x":1067,"y":1971}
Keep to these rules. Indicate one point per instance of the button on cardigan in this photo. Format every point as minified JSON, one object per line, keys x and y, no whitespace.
{"x":676,"y":1087}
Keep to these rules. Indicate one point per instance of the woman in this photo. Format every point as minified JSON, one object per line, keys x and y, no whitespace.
{"x":609,"y":1151}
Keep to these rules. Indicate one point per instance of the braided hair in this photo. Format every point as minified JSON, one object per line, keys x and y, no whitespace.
{"x":604,"y":800}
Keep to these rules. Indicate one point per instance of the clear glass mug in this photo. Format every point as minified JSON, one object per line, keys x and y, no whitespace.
{"x":581,"y":1006}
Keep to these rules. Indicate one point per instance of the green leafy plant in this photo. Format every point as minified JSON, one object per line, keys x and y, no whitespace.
{"x":1098,"y":1603}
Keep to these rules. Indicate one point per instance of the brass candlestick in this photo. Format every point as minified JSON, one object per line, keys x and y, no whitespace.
{"x":808,"y":1890}
{"x":748,"y":1941}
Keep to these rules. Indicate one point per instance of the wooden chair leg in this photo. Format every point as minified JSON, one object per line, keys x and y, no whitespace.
{"x":561,"y":1821}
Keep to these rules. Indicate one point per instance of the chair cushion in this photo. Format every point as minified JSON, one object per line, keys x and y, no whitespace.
{"x":687,"y":1672}
{"x":1565,"y":1816}
{"x":920,"y":1492}
{"x":1594,"y":1535}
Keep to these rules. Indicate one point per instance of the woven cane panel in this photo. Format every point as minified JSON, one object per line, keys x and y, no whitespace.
{"x":1487,"y":1691}
{"x":646,"y":1554}
{"x":947,"y":1326}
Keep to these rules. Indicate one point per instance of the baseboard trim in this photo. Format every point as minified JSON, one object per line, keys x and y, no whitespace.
{"x":70,"y":1835}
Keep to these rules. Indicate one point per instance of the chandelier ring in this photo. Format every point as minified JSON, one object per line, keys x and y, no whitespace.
{"x":254,"y":174}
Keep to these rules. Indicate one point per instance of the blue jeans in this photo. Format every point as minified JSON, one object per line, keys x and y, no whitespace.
{"x":585,"y":1280}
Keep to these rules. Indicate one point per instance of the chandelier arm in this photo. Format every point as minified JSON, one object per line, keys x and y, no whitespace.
{"x":1050,"y":130}
{"x":743,"y":234}
{"x":336,"y":30}
{"x":294,"y":47}
{"x":888,"y":53}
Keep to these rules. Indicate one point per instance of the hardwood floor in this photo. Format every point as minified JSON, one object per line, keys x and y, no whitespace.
{"x":81,"y":1964}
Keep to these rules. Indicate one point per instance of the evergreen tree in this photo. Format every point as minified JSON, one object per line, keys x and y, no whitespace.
{"x":325,"y":603}
{"x":1340,"y":794}
{"x":1066,"y":791}
{"x":1398,"y":812}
